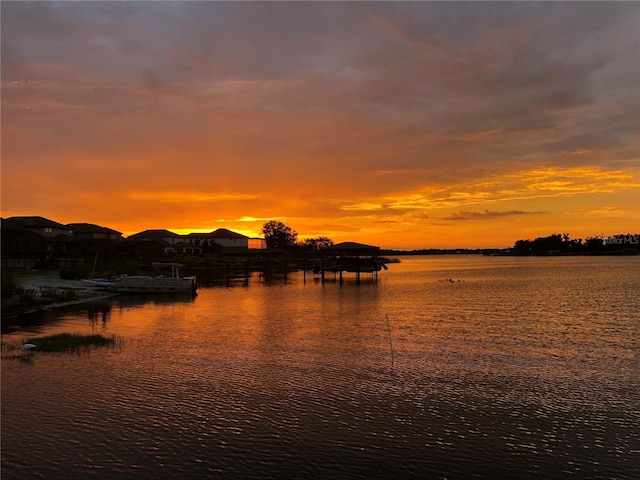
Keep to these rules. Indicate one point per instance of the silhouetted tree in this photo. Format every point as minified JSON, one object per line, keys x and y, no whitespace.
{"x":523,"y":247}
{"x":556,"y":243}
{"x":279,"y":235}
{"x":551,"y":244}
{"x":316,"y":243}
{"x":622,"y":242}
{"x":594,"y":244}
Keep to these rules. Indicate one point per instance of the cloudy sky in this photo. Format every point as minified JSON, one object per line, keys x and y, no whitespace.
{"x":403,"y":125}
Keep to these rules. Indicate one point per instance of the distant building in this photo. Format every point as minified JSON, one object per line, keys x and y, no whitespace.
{"x":19,"y":242}
{"x":89,"y":231}
{"x":156,"y":235}
{"x":171,"y":243}
{"x":58,"y":238}
{"x":229,"y":239}
{"x":35,"y":235}
{"x":226,"y":240}
{"x":40,"y":225}
{"x":184,"y":248}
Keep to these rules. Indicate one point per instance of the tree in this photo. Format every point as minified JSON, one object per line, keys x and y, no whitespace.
{"x":594,"y":244}
{"x":523,"y":247}
{"x":279,"y":235}
{"x":316,"y":243}
{"x":551,"y":244}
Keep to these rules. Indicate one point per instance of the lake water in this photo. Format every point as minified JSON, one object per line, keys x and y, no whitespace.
{"x":488,"y":367}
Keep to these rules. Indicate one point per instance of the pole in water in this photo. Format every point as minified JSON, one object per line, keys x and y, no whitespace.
{"x":390,"y":344}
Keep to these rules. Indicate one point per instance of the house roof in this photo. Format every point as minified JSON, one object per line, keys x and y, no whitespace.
{"x":224,"y":233}
{"x":90,"y":228}
{"x":219,"y":233}
{"x":33,"y":222}
{"x":154,"y":234}
{"x":351,"y":247}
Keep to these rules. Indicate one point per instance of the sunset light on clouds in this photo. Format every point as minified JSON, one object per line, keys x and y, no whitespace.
{"x":398,"y":124}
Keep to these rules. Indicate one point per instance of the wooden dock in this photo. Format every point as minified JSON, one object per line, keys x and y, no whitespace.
{"x":332,"y":262}
{"x":350,"y":257}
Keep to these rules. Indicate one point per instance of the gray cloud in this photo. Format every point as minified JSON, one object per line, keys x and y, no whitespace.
{"x":441,"y":89}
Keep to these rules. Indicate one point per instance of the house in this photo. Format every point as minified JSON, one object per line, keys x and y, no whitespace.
{"x":43,"y":226}
{"x":229,"y":239}
{"x":169,"y":242}
{"x":156,"y":235}
{"x":89,"y":231}
{"x":203,"y":240}
{"x":19,"y":242}
{"x":183,"y":248}
{"x":57,"y":236}
{"x":22,"y":233}
{"x":197,"y":243}
{"x":33,"y":234}
{"x":225,"y":239}
{"x":50,"y":229}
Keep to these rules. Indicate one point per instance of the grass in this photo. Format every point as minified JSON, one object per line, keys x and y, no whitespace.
{"x":70,"y":342}
{"x":17,"y":299}
{"x":59,"y":294}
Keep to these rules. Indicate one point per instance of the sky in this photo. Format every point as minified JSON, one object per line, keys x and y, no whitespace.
{"x":399,"y":124}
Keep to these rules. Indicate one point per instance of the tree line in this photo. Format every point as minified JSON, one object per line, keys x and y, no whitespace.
{"x":280,"y":236}
{"x":562,"y":243}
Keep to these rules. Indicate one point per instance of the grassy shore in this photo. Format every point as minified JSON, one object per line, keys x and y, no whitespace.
{"x":29,"y":291}
{"x":70,"y":342}
{"x":61,"y":343}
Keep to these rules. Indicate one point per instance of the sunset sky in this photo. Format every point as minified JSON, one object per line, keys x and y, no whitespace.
{"x":404,"y":125}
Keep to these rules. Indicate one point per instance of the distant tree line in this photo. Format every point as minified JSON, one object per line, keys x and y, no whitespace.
{"x":563,"y":244}
{"x":281,"y":236}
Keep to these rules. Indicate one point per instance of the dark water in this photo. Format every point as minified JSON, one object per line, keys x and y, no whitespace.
{"x":501,"y":368}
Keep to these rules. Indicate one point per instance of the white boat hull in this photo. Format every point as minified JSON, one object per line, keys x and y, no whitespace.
{"x":172,"y":283}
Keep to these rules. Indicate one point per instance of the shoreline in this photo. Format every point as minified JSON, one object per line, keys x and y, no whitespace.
{"x":37,"y":283}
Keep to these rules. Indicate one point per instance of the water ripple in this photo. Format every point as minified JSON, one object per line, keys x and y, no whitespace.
{"x":526,"y":368}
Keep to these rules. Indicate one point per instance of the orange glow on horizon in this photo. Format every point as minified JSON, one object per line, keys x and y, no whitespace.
{"x":491,"y":213}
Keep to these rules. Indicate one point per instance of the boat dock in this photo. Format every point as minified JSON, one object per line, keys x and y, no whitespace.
{"x":350,"y":257}
{"x":330,"y":263}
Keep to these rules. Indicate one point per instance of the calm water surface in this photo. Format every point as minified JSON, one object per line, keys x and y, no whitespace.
{"x":498,"y":367}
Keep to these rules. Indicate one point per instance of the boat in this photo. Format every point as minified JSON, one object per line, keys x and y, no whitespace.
{"x":169,"y":282}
